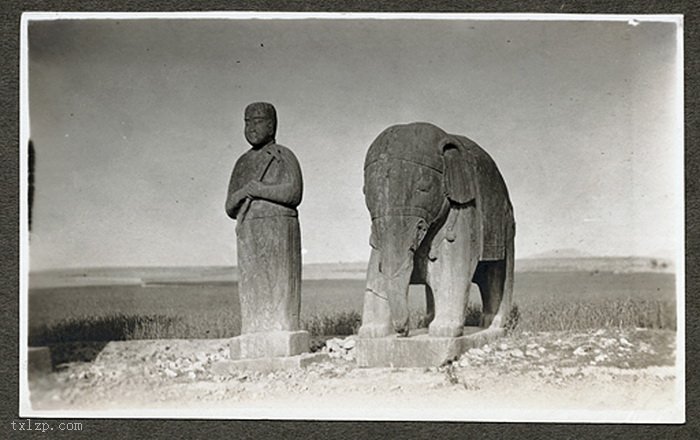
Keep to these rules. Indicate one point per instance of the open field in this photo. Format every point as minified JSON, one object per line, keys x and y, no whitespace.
{"x":154,"y":275}
{"x":546,"y":301}
{"x":600,"y":340}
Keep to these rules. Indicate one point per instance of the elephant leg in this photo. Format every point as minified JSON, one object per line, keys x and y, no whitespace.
{"x":451,"y":272}
{"x":491,"y":281}
{"x":506,"y":300}
{"x":496,"y":287}
{"x":376,"y":315}
{"x":429,"y":305}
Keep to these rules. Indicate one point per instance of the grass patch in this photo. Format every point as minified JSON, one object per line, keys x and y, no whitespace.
{"x":513,"y":319}
{"x":627,"y":313}
{"x":548,"y":316}
{"x":124,"y":327}
{"x":348,"y":323}
{"x":337,"y":324}
{"x":114,"y":327}
{"x":545,"y":302}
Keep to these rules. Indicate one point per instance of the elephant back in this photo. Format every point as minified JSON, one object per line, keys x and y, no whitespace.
{"x":404,"y":172}
{"x":410,"y":169}
{"x":492,"y":200}
{"x":417,"y":142}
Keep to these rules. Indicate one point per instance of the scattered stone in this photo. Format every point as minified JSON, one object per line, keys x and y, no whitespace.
{"x":517,"y":353}
{"x":580,"y":351}
{"x":645,"y":348}
{"x":340,"y":348}
{"x":476,"y":352}
{"x":546,"y":370}
{"x":607,"y":342}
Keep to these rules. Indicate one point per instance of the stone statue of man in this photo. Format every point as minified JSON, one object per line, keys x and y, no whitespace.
{"x":263,"y":194}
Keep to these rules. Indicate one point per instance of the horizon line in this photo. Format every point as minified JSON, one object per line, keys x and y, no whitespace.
{"x":363,"y":262}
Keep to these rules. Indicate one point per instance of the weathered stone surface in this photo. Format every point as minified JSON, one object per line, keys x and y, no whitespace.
{"x":264,"y":191}
{"x":38,"y":360}
{"x":342,"y":348}
{"x":421,"y":350}
{"x":269,"y":344}
{"x":441,"y":216}
{"x":266,"y":365}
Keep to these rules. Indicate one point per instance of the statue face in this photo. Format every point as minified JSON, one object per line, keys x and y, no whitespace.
{"x":259,"y":127}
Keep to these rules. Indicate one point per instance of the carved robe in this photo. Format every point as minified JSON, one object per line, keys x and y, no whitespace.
{"x":268,"y":238}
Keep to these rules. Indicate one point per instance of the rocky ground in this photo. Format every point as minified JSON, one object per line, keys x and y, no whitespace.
{"x":600,"y":371}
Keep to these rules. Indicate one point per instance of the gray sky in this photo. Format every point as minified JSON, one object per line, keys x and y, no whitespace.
{"x":137,"y":124}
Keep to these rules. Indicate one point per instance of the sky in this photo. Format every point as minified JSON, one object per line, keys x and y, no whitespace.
{"x":137,"y":124}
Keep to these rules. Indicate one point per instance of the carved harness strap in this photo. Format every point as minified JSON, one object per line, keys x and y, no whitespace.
{"x":435,"y":164}
{"x":403,"y":211}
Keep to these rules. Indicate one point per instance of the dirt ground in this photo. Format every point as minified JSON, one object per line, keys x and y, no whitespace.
{"x":610,"y":374}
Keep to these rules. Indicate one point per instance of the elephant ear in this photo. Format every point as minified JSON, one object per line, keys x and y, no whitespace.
{"x":459,"y":178}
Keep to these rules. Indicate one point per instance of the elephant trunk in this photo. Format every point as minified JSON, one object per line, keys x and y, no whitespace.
{"x":397,"y":238}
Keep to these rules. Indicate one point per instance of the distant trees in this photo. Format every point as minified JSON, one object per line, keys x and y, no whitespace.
{"x":656,"y":264}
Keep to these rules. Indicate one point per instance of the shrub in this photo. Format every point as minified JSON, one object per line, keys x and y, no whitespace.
{"x":114,"y":327}
{"x":342,"y":323}
{"x":473,"y":316}
{"x":513,"y":319}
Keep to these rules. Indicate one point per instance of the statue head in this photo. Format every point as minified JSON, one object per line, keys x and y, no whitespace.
{"x":260,"y":124}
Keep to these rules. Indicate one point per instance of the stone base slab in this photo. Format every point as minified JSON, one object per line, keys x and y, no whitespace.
{"x":267,"y":365}
{"x":269,"y":344}
{"x":421,"y":350}
{"x":38,"y":361}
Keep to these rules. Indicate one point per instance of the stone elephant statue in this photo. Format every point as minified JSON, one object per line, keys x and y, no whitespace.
{"x":441,"y":216}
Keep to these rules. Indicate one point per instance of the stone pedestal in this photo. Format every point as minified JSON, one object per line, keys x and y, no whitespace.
{"x":421,"y":349}
{"x":269,"y":351}
{"x":269,"y":344}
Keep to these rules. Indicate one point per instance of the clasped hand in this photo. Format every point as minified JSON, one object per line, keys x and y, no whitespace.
{"x":252,"y":188}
